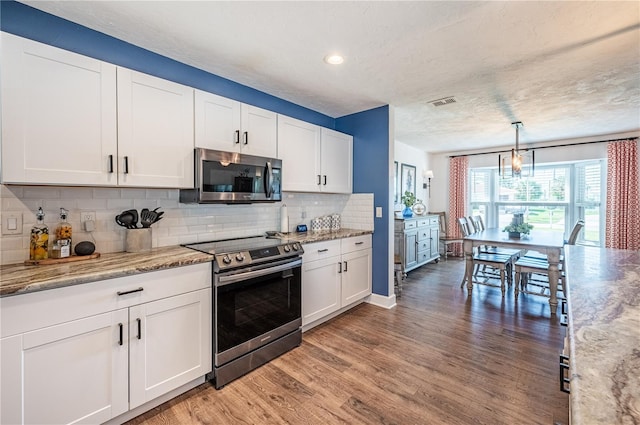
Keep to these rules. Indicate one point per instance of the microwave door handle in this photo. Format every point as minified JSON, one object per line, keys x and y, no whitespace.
{"x":268,"y":181}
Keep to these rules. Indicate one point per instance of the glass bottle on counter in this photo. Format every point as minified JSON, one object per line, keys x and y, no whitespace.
{"x":39,"y":241}
{"x":62,"y":244}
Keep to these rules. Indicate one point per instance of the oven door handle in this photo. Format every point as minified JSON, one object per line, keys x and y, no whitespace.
{"x":264,"y":270}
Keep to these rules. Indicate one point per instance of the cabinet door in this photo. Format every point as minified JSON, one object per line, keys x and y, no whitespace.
{"x":155,"y":131}
{"x":259,"y":132}
{"x":410,"y":249}
{"x":72,"y":372}
{"x":356,"y":276}
{"x":170,"y":344}
{"x":58,"y":115}
{"x":217,"y":122}
{"x":336,"y":162}
{"x":299,"y":149}
{"x":321,"y":288}
{"x":435,"y":241}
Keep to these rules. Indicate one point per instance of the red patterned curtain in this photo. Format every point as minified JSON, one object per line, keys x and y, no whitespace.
{"x":622,"y":228}
{"x":458,"y":172}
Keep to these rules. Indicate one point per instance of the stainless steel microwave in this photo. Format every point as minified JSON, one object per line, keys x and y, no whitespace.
{"x":233,"y":178}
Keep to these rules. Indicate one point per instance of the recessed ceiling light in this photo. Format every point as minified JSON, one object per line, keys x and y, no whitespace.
{"x":334,"y":59}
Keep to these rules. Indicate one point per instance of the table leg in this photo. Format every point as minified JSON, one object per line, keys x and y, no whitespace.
{"x":468,"y":256}
{"x":553,"y":257}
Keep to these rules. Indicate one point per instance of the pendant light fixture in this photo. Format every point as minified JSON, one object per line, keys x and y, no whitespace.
{"x":522,"y":160}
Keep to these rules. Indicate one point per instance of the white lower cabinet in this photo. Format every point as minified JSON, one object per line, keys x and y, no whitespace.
{"x":335,"y":275}
{"x":169,"y":344}
{"x":72,"y":372}
{"x":94,"y":368}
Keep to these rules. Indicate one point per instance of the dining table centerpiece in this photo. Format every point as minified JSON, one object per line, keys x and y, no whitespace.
{"x":516,"y":230}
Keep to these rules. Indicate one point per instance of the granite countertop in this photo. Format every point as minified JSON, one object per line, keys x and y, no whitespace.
{"x":603,"y":296}
{"x":311,"y":237}
{"x":18,"y":279}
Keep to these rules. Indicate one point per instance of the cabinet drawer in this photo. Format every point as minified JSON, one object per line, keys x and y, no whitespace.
{"x":424,"y":256}
{"x":356,"y":243}
{"x":423,"y":222}
{"x":317,"y":250}
{"x":434,"y":222}
{"x":411,"y":224}
{"x":424,"y":234}
{"x":24,"y":313}
{"x":424,"y":245}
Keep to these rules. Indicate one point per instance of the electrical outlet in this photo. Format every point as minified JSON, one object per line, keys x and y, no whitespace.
{"x":87,"y":216}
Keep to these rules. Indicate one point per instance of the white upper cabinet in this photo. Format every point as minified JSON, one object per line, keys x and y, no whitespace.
{"x":68,"y":119}
{"x":155,"y":131}
{"x":336,"y":159}
{"x":314,"y":159}
{"x":228,"y":125}
{"x":58,"y":115}
{"x":299,"y":150}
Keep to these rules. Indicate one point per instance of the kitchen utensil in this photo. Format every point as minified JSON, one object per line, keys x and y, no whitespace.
{"x":120,"y":223}
{"x":134,"y":218}
{"x":125,"y":219}
{"x":147,"y":218}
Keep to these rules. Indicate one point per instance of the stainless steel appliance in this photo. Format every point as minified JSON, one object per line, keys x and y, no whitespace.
{"x":257,"y":303}
{"x":233,"y":178}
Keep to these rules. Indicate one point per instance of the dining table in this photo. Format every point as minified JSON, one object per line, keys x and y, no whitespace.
{"x":543,"y":241}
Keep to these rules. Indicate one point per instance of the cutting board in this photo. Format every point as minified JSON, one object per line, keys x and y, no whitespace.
{"x":70,"y":259}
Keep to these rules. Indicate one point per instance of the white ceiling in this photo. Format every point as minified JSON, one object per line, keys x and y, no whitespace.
{"x":564,"y":68}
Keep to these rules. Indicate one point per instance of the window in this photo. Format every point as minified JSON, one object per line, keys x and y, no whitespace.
{"x":553,"y":199}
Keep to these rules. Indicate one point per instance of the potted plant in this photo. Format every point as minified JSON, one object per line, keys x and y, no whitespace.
{"x":517,"y":230}
{"x":408,"y":199}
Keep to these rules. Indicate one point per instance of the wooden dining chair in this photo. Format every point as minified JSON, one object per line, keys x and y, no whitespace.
{"x":446,"y":238}
{"x":491,"y":265}
{"x":532,"y":272}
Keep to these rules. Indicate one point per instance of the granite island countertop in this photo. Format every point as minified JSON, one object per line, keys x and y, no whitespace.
{"x":16,"y":279}
{"x":603,"y":297}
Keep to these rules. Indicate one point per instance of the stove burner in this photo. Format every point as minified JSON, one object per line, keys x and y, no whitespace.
{"x":243,"y":252}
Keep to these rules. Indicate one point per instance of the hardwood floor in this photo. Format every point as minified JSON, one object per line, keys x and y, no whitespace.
{"x":438,"y":357}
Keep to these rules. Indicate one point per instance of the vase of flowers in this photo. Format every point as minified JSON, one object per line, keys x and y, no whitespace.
{"x":517,"y":230}
{"x":408,"y":199}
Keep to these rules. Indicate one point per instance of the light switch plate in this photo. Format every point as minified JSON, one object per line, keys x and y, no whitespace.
{"x":378,"y":212}
{"x":12,"y":223}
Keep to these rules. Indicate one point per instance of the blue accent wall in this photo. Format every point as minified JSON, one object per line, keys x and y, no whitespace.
{"x":370,"y":130}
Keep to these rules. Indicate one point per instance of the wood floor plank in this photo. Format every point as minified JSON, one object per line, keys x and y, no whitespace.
{"x":440,"y":356}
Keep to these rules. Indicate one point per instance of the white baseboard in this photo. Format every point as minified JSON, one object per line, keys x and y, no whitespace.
{"x":382,"y":301}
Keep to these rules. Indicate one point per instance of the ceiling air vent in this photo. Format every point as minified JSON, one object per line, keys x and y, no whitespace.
{"x":444,"y":101}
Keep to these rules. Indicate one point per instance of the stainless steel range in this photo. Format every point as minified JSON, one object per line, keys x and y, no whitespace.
{"x":257,"y":302}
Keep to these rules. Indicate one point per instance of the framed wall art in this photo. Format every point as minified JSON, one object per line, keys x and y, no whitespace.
{"x":396,"y":195}
{"x":408,"y":179}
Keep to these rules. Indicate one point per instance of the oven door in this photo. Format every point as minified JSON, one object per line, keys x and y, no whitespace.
{"x":255,"y":306}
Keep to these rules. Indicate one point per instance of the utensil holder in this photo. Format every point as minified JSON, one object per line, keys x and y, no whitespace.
{"x":138,"y":240}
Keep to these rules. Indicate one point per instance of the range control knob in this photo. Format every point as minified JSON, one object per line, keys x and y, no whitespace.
{"x":240,"y":257}
{"x":295,"y":246}
{"x":226,"y":259}
{"x":286,"y":248}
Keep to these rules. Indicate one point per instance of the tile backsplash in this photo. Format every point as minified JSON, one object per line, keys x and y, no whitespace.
{"x":181,"y":223}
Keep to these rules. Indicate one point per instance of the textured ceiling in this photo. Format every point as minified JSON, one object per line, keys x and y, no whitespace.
{"x":564,"y":68}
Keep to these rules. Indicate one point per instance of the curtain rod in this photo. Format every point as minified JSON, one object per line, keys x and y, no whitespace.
{"x":545,"y":147}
